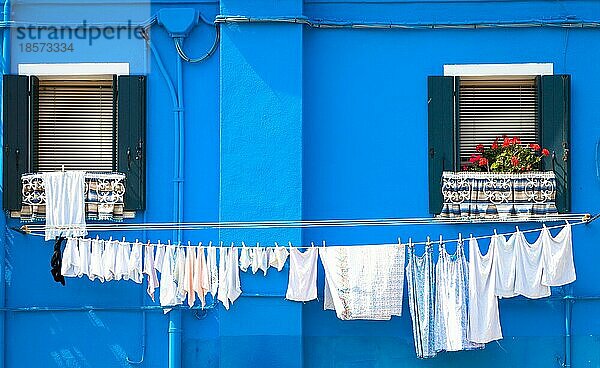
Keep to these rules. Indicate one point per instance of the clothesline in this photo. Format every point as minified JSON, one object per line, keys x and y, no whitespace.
{"x":30,"y":228}
{"x":324,"y":244}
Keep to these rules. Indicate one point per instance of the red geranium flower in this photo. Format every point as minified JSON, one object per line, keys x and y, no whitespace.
{"x":545,"y":152}
{"x":506,"y":142}
{"x":516,"y":140}
{"x":514,"y":160}
{"x":535,"y":146}
{"x":479,"y":148}
{"x":495,"y":144}
{"x":474,"y":158}
{"x":483,"y":161}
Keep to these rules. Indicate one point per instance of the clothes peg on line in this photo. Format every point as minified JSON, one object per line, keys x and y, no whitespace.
{"x":243,"y":244}
{"x":410,"y":244}
{"x":517,"y":228}
{"x":495,"y":232}
{"x":460,"y":237}
{"x":323,"y":243}
{"x":312,"y":244}
{"x":290,"y":244}
{"x":276,"y":245}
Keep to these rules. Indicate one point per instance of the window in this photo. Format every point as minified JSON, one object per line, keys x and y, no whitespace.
{"x":491,"y":107}
{"x":464,"y":111}
{"x":74,"y":124}
{"x":84,"y":122}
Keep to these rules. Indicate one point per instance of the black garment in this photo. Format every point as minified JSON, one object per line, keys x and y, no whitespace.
{"x":56,"y":261}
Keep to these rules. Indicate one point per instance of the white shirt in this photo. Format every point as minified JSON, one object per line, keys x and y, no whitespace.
{"x":302,"y":281}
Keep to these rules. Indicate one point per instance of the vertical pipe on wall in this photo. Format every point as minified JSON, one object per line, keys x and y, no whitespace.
{"x":175,"y":315}
{"x":174,"y":330}
{"x":4,"y":239}
{"x":568,"y":312}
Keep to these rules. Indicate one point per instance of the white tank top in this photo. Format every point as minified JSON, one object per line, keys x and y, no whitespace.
{"x":302,"y":280}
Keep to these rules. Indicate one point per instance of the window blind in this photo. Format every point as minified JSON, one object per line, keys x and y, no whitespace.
{"x":74,"y":125}
{"x":490,"y":108}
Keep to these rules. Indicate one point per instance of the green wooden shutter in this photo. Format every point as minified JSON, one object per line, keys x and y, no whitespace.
{"x":440,"y":107}
{"x":555,"y":133}
{"x":15,"y":94}
{"x":131,"y":138}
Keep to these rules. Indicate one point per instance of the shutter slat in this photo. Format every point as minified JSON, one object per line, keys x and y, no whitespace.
{"x":75,"y":125}
{"x":493,"y":108}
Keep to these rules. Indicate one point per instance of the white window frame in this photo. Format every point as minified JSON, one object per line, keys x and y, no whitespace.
{"x":491,"y":70}
{"x":60,"y":69}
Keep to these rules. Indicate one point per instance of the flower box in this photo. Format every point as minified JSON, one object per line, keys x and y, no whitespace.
{"x":498,"y":195}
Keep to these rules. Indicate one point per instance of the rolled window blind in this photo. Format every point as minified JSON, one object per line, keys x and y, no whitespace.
{"x":74,"y":125}
{"x":490,"y":108}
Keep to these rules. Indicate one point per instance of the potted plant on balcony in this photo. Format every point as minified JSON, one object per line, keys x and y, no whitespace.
{"x":502,"y":180}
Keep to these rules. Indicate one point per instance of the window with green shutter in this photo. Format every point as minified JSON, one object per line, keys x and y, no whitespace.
{"x":466,"y":111}
{"x":74,"y":122}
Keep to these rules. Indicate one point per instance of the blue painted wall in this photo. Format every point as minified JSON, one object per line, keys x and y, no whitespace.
{"x":288,"y":122}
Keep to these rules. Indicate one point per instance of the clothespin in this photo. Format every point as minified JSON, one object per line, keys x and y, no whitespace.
{"x":495,"y":232}
{"x":471,"y":235}
{"x":158,"y":243}
{"x":276,"y":245}
{"x":290,"y":244}
{"x":243,"y":244}
{"x":221,"y":244}
{"x":169,"y":243}
{"x":62,"y":168}
{"x":517,"y":228}
{"x":312,"y":244}
{"x":231,"y":245}
{"x":137,"y":240}
{"x":410,"y":244}
{"x":97,"y":237}
{"x":323,"y":243}
{"x":110,"y":239}
{"x":567,"y":222}
{"x":210,"y":243}
{"x":189,"y":244}
{"x":428,"y":243}
{"x":460,"y":237}
{"x":123,"y":241}
{"x":399,"y":243}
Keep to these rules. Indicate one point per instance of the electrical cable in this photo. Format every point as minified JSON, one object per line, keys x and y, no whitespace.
{"x":565,"y":22}
{"x":211,"y":51}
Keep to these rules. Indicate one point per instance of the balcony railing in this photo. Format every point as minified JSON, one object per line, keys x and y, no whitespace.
{"x":104,"y":193}
{"x":498,"y":195}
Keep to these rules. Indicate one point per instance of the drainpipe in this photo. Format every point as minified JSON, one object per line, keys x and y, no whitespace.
{"x":5,"y":70}
{"x":175,"y":314}
{"x":568,"y":310}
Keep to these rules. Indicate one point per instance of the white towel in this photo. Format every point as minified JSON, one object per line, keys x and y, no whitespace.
{"x":65,"y":204}
{"x":364,"y":282}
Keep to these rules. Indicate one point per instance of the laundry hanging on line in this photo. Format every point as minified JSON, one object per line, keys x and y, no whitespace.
{"x":453,"y":304}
